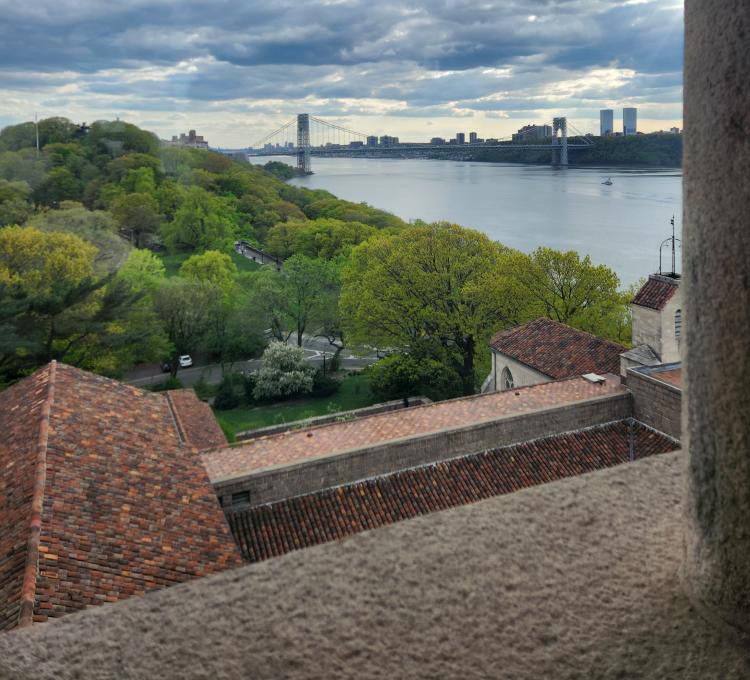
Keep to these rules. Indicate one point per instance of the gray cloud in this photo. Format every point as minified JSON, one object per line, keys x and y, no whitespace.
{"x":424,"y":58}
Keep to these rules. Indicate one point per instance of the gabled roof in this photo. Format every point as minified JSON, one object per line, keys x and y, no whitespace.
{"x":274,"y":529}
{"x":102,"y":496}
{"x":656,"y":292}
{"x":557,"y":350}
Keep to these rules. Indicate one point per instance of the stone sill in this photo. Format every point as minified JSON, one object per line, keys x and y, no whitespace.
{"x":577,"y":578}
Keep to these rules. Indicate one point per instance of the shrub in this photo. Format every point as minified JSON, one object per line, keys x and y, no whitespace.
{"x":226,"y":397}
{"x":284,"y":373}
{"x":169,"y":384}
{"x":324,"y":385}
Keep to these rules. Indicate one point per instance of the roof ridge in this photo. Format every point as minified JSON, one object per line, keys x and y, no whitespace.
{"x":178,"y":424}
{"x":546,"y":319}
{"x":28,"y":589}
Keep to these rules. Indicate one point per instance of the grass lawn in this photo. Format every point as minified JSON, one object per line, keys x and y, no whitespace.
{"x":354,"y":393}
{"x":172,"y":263}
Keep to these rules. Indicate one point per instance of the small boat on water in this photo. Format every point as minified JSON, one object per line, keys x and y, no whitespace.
{"x":608,"y":182}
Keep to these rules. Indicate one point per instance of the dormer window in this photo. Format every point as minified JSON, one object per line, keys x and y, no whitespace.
{"x":677,"y":323}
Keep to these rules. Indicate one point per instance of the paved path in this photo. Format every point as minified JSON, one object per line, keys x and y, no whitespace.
{"x":315,"y":349}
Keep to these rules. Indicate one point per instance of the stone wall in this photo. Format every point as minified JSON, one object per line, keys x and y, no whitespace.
{"x":656,"y":403}
{"x":273,"y":484}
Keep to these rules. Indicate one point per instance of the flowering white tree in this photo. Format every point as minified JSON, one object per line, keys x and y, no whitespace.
{"x":284,"y":372}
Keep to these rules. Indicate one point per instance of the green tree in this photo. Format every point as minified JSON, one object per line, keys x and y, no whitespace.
{"x":138,"y":215}
{"x":296,"y":297}
{"x":568,"y":288}
{"x":142,"y":271}
{"x":14,"y":205}
{"x":184,"y":307}
{"x":63,"y":310}
{"x":427,"y":282}
{"x":202,"y":222}
{"x":212,"y":267}
{"x":94,"y":226}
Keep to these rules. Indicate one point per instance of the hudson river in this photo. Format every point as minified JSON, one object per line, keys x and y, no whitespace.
{"x":522,"y":206}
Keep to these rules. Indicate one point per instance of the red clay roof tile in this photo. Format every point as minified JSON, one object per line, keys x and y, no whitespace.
{"x":557,"y":350}
{"x":270,"y":530}
{"x":656,"y":292}
{"x":127,"y":506}
{"x":305,"y":443}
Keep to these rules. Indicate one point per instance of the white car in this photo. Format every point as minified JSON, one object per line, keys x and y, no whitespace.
{"x":185,"y":360}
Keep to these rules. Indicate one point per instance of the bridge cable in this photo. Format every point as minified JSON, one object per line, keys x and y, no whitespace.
{"x":273,"y":134}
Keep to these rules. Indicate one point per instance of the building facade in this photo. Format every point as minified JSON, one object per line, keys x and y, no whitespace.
{"x":532,"y":132}
{"x":629,"y":121}
{"x":606,"y":122}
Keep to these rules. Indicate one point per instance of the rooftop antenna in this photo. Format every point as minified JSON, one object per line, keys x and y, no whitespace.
{"x":673,"y":241}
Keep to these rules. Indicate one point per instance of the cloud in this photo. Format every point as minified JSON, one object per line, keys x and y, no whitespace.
{"x":269,"y":58}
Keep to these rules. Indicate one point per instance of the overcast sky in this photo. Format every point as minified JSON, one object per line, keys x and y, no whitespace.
{"x":237,"y":69}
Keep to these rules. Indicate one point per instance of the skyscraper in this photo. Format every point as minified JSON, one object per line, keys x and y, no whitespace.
{"x":606,"y":122}
{"x":629,"y":121}
{"x":473,"y":137}
{"x":460,"y":138}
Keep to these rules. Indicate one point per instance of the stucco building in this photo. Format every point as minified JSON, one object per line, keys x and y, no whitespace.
{"x":545,"y":350}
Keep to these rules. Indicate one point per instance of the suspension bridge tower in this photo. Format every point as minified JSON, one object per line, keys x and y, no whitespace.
{"x":303,"y":143}
{"x":560,"y":144}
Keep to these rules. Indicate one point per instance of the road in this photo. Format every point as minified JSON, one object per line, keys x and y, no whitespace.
{"x":315,"y":348}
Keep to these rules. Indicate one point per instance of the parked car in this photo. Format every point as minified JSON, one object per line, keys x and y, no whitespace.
{"x":185,"y":360}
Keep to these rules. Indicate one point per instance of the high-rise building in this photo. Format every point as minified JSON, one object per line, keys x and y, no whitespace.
{"x":460,"y":138}
{"x":606,"y":122}
{"x":387,"y":140}
{"x":532,"y":132}
{"x":629,"y":121}
{"x":372,"y":140}
{"x":473,"y":137}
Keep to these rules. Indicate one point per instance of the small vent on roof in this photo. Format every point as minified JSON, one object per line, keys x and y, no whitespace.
{"x":594,"y":378}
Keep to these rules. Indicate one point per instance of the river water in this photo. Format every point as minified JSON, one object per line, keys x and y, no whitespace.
{"x":522,"y":206}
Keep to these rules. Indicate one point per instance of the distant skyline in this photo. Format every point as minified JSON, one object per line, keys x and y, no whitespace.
{"x":236,"y":71}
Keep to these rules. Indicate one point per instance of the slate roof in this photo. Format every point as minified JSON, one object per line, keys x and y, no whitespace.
{"x":274,"y":529}
{"x":656,"y":292}
{"x":101,"y":496}
{"x":309,"y":442}
{"x":557,"y":350}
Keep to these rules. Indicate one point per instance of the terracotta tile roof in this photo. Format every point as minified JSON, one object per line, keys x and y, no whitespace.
{"x":270,"y":530}
{"x":297,"y":445}
{"x":124,"y":505}
{"x":656,"y":292}
{"x":195,"y":420}
{"x":557,"y":350}
{"x":673,"y":377}
{"x":21,"y":412}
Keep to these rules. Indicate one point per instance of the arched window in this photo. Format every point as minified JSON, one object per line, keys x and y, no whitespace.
{"x":506,"y":379}
{"x":677,"y":323}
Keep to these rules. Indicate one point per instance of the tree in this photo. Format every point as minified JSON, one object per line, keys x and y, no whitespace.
{"x":427,"y":282}
{"x":284,"y":372}
{"x":295,"y":297}
{"x":401,"y":375}
{"x":567,"y":288}
{"x":211,"y":267}
{"x":324,"y":237}
{"x":184,"y":308}
{"x":94,"y":226}
{"x":14,"y":205}
{"x":60,"y":308}
{"x":202,"y":222}
{"x":138,"y":214}
{"x":142,"y":271}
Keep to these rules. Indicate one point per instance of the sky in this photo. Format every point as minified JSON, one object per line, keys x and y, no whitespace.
{"x":235,"y":70}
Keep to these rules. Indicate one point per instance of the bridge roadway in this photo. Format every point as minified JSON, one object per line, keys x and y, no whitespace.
{"x":412,"y":147}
